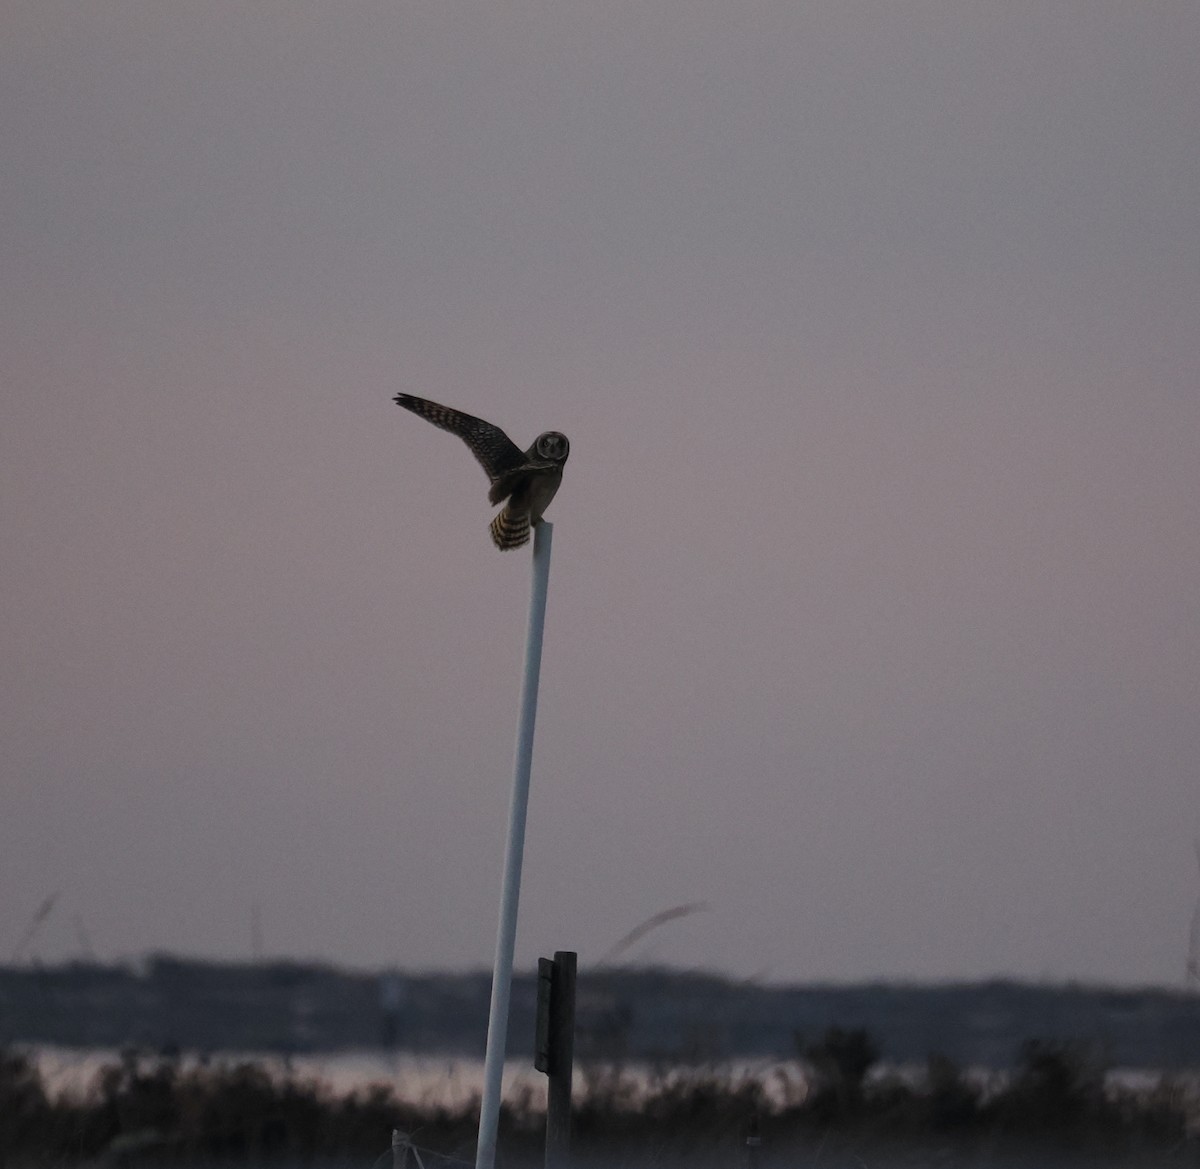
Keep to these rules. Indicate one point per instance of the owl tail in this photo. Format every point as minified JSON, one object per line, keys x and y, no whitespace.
{"x":510,"y":529}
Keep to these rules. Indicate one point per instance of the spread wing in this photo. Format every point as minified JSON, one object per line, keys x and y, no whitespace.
{"x":489,"y":444}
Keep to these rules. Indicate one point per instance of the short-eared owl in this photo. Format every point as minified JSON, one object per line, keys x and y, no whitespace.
{"x":527,"y":479}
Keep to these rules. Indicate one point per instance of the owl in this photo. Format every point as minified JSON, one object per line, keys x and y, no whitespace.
{"x":526,"y":479}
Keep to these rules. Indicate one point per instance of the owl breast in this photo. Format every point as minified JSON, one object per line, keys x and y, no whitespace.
{"x":541,"y":491}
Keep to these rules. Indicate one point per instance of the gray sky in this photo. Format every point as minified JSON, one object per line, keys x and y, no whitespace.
{"x":873,"y":617}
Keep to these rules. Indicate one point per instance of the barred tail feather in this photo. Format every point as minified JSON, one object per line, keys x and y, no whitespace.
{"x":510,"y":529}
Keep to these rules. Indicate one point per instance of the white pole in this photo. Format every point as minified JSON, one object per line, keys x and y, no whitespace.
{"x":506,"y":936}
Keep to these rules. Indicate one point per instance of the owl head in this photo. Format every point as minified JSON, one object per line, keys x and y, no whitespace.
{"x":553,"y":446}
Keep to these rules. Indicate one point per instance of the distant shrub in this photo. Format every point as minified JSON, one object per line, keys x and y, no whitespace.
{"x":951,"y":1101}
{"x":1057,"y":1085}
{"x":840,"y":1060}
{"x":23,"y":1103}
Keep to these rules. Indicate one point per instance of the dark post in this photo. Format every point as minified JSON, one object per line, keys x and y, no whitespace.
{"x":556,"y":1052}
{"x":753,"y":1142}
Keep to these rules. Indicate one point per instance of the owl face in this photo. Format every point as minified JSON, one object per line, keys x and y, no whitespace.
{"x":553,"y":446}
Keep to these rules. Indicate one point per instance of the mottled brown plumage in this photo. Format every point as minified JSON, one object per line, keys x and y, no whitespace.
{"x":526,"y":479}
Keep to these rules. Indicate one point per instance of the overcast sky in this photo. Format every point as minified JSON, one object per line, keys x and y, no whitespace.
{"x":874,"y":616}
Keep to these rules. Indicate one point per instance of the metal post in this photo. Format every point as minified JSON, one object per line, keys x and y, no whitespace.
{"x":753,"y":1142}
{"x":506,"y":935}
{"x":562,"y":1060}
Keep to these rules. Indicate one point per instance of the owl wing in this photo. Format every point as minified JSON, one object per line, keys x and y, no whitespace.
{"x":489,"y":444}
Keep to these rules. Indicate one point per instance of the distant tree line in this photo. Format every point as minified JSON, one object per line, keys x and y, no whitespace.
{"x":292,"y":1007}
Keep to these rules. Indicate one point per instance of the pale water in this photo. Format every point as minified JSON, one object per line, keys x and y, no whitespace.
{"x":445,"y":1080}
